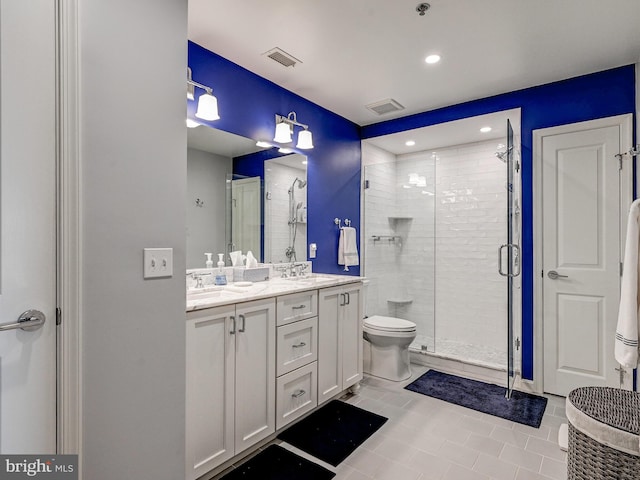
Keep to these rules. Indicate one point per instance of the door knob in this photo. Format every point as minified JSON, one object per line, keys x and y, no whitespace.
{"x":28,"y":321}
{"x":553,"y":275}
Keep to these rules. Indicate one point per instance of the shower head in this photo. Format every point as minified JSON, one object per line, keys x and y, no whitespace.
{"x":301,"y":184}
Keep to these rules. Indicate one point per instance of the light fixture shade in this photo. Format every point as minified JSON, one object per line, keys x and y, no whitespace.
{"x":207,"y":107}
{"x":283,"y":133}
{"x":305,"y":140}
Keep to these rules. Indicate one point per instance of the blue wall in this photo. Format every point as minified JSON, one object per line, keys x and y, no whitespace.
{"x":248,"y":104}
{"x":598,"y":95}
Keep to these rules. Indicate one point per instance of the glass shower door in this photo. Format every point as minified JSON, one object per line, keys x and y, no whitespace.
{"x":512,"y":249}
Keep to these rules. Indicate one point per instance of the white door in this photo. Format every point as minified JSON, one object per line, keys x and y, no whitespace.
{"x":245,"y":215}
{"x":582,"y":206}
{"x":27,"y":225}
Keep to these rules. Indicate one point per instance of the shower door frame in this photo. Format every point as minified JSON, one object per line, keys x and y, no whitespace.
{"x":513,"y":256}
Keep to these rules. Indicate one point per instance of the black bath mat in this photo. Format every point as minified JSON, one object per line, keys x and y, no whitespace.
{"x":484,"y":397}
{"x":277,"y":463}
{"x":333,"y":432}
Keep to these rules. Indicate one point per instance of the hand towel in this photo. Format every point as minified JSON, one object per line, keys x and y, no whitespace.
{"x":347,"y":249}
{"x":626,"y":342}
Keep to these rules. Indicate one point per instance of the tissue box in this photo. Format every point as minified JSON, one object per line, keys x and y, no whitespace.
{"x":256,"y":274}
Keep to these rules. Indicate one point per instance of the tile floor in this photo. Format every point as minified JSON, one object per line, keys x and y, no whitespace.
{"x":428,"y":439}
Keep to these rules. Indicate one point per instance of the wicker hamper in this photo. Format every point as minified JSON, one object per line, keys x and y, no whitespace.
{"x":604,"y":428}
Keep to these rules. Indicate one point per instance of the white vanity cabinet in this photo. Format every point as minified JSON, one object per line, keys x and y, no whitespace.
{"x":339,"y":339}
{"x":231,"y":375}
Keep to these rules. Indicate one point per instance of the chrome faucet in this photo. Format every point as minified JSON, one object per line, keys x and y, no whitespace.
{"x":297,"y":269}
{"x":283,"y":271}
{"x":198,"y":278}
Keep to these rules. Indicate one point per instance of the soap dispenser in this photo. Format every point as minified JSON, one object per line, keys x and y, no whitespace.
{"x":209,"y":262}
{"x":221,"y":278}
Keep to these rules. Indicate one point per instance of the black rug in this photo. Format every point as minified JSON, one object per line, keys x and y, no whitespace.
{"x":277,"y":463}
{"x":484,"y":397}
{"x":333,"y":432}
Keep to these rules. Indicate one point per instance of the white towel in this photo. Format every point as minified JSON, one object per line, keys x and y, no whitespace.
{"x":626,"y":343}
{"x":347,"y":249}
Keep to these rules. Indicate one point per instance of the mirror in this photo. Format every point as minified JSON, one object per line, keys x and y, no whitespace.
{"x":227,"y":212}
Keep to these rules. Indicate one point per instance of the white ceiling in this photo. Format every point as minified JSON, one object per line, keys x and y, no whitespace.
{"x":457,"y":132}
{"x":356,"y":52}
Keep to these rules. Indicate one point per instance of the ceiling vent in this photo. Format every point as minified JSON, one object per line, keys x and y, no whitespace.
{"x":282,"y":57}
{"x":385,"y":106}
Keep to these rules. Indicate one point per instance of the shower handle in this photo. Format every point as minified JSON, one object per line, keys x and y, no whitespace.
{"x":516,"y":249}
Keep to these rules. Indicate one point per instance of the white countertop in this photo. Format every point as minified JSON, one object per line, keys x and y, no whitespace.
{"x":215,"y":296}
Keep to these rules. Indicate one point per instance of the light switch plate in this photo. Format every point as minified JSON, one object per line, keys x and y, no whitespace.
{"x":158,"y":262}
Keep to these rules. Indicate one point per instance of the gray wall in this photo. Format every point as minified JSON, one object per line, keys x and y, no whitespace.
{"x":206,"y":180}
{"x":133,"y":58}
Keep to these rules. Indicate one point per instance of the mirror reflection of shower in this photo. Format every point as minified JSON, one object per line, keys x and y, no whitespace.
{"x":295,"y":217}
{"x":285,"y":213}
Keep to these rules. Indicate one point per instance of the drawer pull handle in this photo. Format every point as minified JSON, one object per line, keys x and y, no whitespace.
{"x":298,"y":394}
{"x":299,"y":307}
{"x":301,"y":344}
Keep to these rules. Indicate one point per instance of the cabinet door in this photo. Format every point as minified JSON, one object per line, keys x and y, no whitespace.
{"x":209,"y":390}
{"x":330,"y":303}
{"x":352,"y":336}
{"x":255,"y":372}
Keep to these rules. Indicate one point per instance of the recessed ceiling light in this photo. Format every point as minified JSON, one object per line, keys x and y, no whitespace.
{"x":485,"y":129}
{"x":432,"y":59}
{"x":410,"y":143}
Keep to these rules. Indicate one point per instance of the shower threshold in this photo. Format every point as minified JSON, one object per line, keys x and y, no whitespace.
{"x":478,"y":355}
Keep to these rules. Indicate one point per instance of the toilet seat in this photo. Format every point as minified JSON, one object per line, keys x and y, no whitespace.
{"x":382,"y":324}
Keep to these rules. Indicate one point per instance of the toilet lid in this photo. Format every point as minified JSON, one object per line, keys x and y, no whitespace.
{"x":389,"y":324}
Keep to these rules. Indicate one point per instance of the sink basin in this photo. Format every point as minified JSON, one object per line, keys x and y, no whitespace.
{"x":310,"y":279}
{"x":208,"y":293}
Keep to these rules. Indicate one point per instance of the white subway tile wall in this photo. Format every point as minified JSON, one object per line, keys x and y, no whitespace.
{"x":447,"y":210}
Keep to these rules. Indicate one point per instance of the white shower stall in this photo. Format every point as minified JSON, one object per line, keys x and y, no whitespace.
{"x":434,"y":221}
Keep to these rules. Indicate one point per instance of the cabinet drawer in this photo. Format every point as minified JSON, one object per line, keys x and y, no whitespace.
{"x":296,"y":345}
{"x":296,"y":307}
{"x":296,"y":394}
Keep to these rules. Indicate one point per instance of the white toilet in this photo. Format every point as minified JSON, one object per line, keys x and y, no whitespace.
{"x":386,"y":347}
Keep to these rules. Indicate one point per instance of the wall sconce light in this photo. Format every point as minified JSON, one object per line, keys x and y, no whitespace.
{"x":284,"y":130}
{"x":207,"y":104}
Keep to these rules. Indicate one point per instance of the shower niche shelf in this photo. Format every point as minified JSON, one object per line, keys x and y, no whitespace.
{"x":400,"y":301}
{"x":396,"y":219}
